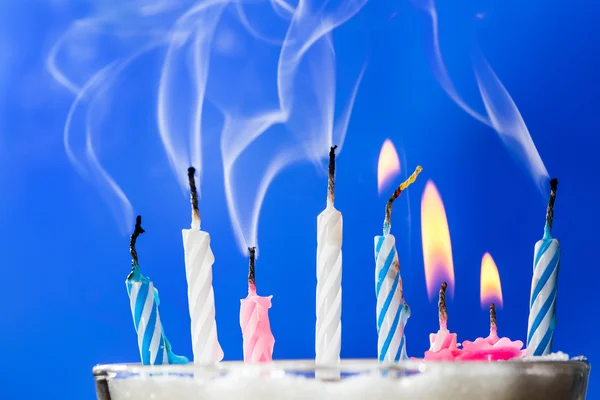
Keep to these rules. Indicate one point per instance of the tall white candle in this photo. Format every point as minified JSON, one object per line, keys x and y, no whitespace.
{"x":328,"y":332}
{"x":199,"y":259}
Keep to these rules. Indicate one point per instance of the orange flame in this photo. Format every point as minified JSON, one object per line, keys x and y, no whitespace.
{"x":491,"y":289}
{"x":437,"y":249}
{"x":388,"y":166}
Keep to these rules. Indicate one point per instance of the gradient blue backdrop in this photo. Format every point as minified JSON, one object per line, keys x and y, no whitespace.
{"x":63,"y":302}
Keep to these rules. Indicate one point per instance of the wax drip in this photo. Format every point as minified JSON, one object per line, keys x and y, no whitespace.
{"x":493,"y":324}
{"x":443,"y":312}
{"x":395,"y":195}
{"x":331,"y":182}
{"x":550,"y":210}
{"x":251,"y":276}
{"x":193,"y":194}
{"x":137,"y":231}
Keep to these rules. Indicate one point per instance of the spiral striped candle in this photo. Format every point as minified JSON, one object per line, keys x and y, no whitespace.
{"x":146,"y":320}
{"x":328,"y":331}
{"x":544,"y":286}
{"x":199,"y":260}
{"x":154,"y":347}
{"x":391,"y":342}
{"x":258,"y":341}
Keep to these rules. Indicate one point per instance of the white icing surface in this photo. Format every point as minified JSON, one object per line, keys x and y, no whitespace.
{"x":558,"y":356}
{"x":447,"y":381}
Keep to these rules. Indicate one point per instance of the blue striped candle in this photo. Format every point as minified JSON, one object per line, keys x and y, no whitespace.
{"x":392,"y":310}
{"x":154,"y":347}
{"x":544,"y":285}
{"x":390,"y":301}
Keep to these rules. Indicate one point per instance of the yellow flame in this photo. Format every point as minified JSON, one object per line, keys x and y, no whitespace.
{"x":437,"y":248}
{"x":491,"y":289}
{"x":388,"y":166}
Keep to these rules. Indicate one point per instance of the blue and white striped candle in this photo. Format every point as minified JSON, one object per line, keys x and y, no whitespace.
{"x":154,"y":347}
{"x":544,"y":285}
{"x":392,"y":310}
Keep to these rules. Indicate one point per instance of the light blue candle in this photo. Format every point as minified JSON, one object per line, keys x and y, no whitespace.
{"x":544,"y":285}
{"x":392,"y":310}
{"x":154,"y":347}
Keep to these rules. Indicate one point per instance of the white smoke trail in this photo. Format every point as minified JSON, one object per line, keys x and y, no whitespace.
{"x":502,"y":114}
{"x":77,"y":62}
{"x":305,"y":107}
{"x":287,"y":100}
{"x":198,"y":22}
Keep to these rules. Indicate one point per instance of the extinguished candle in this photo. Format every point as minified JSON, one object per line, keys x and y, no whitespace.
{"x":199,"y":260}
{"x":258,"y":341}
{"x":328,"y":331}
{"x":544,"y":286}
{"x":391,"y":342}
{"x":442,"y":345}
{"x":154,"y":347}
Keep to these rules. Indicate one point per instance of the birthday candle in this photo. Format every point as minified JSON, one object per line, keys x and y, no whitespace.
{"x":199,"y":259}
{"x":442,"y":345}
{"x":258,"y":341}
{"x":328,"y":331}
{"x":492,"y":348}
{"x":391,"y":340}
{"x":154,"y":347}
{"x":544,"y":284}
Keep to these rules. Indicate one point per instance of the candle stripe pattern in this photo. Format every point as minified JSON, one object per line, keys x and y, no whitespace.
{"x":258,"y":341}
{"x":391,"y":343}
{"x":198,"y":268}
{"x":328,"y":331}
{"x":544,"y":285}
{"x":147,"y":322}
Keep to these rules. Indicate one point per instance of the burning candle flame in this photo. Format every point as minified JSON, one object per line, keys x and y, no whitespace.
{"x":491,"y":289}
{"x":437,"y":248}
{"x":388,"y":166}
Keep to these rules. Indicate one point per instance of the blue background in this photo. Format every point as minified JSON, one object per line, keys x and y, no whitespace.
{"x":63,"y":302}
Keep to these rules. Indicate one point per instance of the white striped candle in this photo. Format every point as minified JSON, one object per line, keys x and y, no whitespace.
{"x":328,"y":330}
{"x":199,"y":260}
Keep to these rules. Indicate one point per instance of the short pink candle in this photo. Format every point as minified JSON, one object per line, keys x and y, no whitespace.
{"x":258,"y":341}
{"x":442,"y":345}
{"x":492,"y":348}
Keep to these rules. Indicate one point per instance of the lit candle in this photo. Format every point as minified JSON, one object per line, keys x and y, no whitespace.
{"x":442,"y":345}
{"x":254,"y":320}
{"x":542,"y":305}
{"x":491,"y":348}
{"x":199,"y":259}
{"x":154,"y":347}
{"x":391,"y":342}
{"x":328,"y":332}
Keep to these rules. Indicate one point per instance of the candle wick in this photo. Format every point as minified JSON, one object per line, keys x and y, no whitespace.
{"x":194,"y":198}
{"x":331,"y":182}
{"x":388,"y":208}
{"x":251,"y":271}
{"x":493,"y":324}
{"x":550,"y":209}
{"x":443,"y":312}
{"x":137,"y":231}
